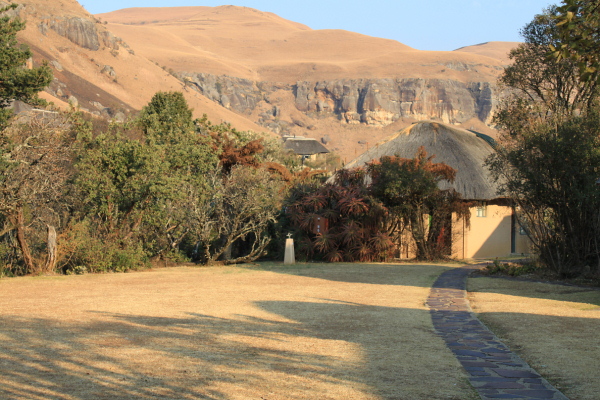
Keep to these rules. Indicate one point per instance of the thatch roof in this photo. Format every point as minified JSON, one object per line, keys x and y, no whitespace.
{"x":463,"y":150}
{"x":304,"y":146}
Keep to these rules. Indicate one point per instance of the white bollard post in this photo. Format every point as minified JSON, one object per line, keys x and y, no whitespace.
{"x":289,"y":257}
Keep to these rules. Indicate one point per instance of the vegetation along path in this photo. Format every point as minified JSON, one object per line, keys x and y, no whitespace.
{"x":494,"y":371}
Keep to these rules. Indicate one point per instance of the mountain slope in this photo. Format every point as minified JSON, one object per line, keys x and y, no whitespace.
{"x":96,"y":70}
{"x":259,"y":72}
{"x":496,"y":50}
{"x":344,"y":88}
{"x":251,"y":44}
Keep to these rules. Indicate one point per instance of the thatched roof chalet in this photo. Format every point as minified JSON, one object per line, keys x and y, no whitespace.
{"x":304,"y":146}
{"x":461,"y":149}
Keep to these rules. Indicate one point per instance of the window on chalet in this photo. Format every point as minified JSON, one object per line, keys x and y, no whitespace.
{"x":482,"y":209}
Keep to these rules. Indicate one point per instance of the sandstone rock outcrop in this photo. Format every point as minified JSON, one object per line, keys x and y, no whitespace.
{"x":83,"y":32}
{"x":113,"y":42}
{"x":380,"y":102}
{"x":56,"y":65}
{"x":241,"y":95}
{"x":80,"y":31}
{"x":108,"y":70}
{"x":375,"y":102}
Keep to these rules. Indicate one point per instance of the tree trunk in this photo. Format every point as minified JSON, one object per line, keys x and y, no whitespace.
{"x":223,"y":250}
{"x":257,"y":251}
{"x":51,"y":260}
{"x":227,"y":253}
{"x":417,"y":227}
{"x":27,"y":258}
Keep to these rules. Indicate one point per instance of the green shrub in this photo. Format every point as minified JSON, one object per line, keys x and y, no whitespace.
{"x":8,"y":264}
{"x":93,"y":254}
{"x":510,"y":268}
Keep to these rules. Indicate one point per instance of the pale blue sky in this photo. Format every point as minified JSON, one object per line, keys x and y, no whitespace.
{"x":422,"y":24}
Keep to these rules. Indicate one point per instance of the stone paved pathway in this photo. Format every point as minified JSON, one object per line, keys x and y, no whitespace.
{"x":494,"y":371}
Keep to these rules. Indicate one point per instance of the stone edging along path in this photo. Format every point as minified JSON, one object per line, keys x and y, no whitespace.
{"x":494,"y":371}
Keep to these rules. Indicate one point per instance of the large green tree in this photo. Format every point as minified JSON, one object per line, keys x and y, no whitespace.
{"x":578,"y":23}
{"x":168,"y":186}
{"x":16,"y":81}
{"x":167,"y":116}
{"x":549,"y":169}
{"x":548,"y":157}
{"x":136,"y":183}
{"x":548,"y":85}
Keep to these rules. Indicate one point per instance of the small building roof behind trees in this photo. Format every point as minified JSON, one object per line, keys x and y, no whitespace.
{"x":304,"y":146}
{"x":463,"y":150}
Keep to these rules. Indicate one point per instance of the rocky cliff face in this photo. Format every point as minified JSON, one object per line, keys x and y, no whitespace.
{"x":380,"y":102}
{"x":374,"y":102}
{"x":240,"y":95}
{"x":82,"y":32}
{"x":78,"y":30}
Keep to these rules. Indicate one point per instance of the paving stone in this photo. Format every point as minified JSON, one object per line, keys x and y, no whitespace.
{"x":503,"y":385}
{"x":535,"y":394}
{"x":479,"y":373}
{"x":514,"y":373}
{"x":488,"y":392}
{"x":479,"y":364}
{"x":537,"y":381}
{"x":495,"y":350}
{"x":492,"y":379}
{"x":469,"y":353}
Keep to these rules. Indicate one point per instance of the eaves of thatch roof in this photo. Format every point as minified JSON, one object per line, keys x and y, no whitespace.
{"x":463,"y":150}
{"x":304,"y":146}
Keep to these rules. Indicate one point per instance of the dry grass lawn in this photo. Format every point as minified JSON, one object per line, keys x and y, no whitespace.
{"x":553,"y":327}
{"x":310,"y":331}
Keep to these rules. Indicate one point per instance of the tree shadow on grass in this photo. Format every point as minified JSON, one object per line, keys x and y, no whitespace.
{"x":417,"y":275}
{"x":50,"y":359}
{"x":533,"y":289}
{"x":324,"y":350}
{"x":404,"y":274}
